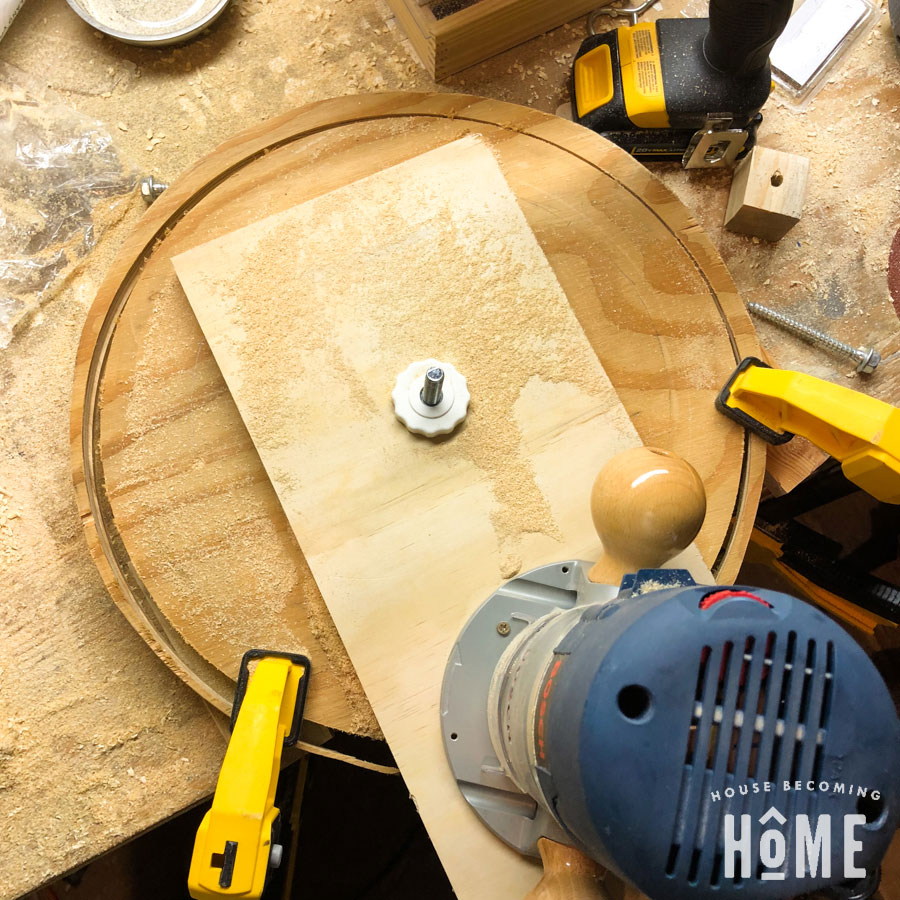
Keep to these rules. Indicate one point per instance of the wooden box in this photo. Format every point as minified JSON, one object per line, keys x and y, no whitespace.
{"x":448,"y":41}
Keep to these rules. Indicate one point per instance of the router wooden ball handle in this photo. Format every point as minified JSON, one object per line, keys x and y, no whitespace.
{"x":647,"y":505}
{"x":568,"y":875}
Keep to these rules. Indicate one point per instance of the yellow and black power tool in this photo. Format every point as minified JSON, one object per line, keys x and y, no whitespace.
{"x":681,"y":89}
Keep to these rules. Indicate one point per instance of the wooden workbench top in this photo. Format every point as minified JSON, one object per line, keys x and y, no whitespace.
{"x":98,"y":740}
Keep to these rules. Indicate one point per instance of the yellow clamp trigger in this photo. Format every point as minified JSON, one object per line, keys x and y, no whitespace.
{"x":860,"y":431}
{"x":235,"y":845}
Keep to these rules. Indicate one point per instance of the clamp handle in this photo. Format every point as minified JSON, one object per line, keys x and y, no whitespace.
{"x":236,"y":842}
{"x":860,"y":431}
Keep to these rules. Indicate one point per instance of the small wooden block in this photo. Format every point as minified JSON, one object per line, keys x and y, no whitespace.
{"x":789,"y":464}
{"x":767,"y":193}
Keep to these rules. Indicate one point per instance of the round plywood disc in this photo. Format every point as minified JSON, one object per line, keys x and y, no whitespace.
{"x":180,"y":517}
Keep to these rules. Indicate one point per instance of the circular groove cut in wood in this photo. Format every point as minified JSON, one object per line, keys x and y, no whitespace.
{"x":178,"y":512}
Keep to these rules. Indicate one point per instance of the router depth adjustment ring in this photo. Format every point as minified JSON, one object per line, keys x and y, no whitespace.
{"x":430,"y":397}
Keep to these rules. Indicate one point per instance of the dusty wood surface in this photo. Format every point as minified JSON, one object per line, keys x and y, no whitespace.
{"x":98,"y":739}
{"x":173,"y":484}
{"x":261,"y":60}
{"x":406,"y":537}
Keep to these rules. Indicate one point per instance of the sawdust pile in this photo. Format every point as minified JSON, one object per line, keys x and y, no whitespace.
{"x":10,"y":548}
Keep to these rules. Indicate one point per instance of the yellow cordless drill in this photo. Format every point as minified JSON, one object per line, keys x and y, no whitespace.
{"x":681,"y":89}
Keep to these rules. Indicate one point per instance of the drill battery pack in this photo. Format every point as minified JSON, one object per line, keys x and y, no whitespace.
{"x":650,"y":89}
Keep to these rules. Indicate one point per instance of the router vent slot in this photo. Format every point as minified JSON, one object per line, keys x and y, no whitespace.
{"x":765,"y":682}
{"x":824,"y":712}
{"x":778,"y":740}
{"x":760,"y":711}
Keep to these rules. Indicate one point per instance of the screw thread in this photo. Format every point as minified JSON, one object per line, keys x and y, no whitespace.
{"x":432,"y":390}
{"x":804,"y":331}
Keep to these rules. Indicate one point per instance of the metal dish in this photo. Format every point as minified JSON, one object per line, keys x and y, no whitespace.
{"x":195,"y":16}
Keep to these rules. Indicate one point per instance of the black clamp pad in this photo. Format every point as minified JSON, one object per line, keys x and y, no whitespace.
{"x":767,"y":434}
{"x":244,"y":677}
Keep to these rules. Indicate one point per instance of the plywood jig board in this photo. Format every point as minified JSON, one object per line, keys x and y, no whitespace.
{"x":311,"y":314}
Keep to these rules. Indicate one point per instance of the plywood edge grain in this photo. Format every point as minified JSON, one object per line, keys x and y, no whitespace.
{"x":480,"y":31}
{"x":412,"y":18}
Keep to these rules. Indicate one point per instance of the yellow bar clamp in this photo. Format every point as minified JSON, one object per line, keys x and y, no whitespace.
{"x":235,"y":844}
{"x":860,"y":431}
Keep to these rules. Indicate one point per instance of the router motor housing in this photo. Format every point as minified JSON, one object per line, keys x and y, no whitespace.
{"x":640,"y":722}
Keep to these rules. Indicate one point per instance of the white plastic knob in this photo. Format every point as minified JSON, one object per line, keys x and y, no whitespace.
{"x":416,"y":415}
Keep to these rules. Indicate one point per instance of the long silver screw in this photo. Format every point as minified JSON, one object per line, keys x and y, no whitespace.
{"x":433,"y":390}
{"x":866,"y":359}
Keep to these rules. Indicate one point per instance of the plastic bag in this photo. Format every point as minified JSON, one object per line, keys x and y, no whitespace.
{"x":60,"y":174}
